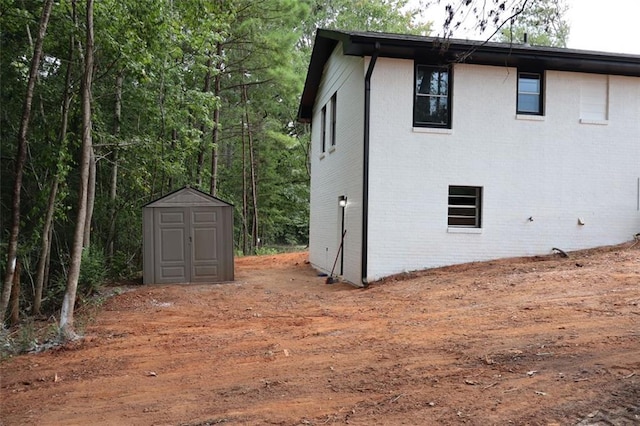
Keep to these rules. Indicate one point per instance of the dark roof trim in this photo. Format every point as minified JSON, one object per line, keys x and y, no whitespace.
{"x":211,"y":197}
{"x":451,"y":51}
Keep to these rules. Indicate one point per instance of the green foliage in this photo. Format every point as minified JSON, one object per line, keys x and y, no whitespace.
{"x":93,"y":271}
{"x":395,"y":16}
{"x":20,"y":340}
{"x":170,"y":54}
{"x":263,"y":251}
{"x":123,"y":265}
{"x":543,"y":22}
{"x":28,"y":337}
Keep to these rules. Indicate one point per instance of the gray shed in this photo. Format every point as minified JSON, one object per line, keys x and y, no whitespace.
{"x":188,"y":237}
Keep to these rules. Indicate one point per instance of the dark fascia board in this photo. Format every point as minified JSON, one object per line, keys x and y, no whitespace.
{"x":193,"y":189}
{"x":435,"y":50}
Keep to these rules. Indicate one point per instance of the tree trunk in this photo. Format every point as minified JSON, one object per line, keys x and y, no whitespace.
{"x":252,"y":165}
{"x":245,"y":204}
{"x":45,"y":245}
{"x":113,"y":187}
{"x":14,"y":317}
{"x":174,"y":140}
{"x":203,"y":144}
{"x":215,"y":138}
{"x":91,"y":198}
{"x":66,"y":314}
{"x":21,"y":156}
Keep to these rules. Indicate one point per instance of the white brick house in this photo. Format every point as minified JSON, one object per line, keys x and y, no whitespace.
{"x":466,"y":152}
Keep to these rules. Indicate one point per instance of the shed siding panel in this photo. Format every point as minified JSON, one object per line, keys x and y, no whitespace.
{"x":205,"y":242}
{"x":171,"y":245}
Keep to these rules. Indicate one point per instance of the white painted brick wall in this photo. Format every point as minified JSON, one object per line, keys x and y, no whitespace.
{"x":338,"y":171}
{"x":556,"y":170}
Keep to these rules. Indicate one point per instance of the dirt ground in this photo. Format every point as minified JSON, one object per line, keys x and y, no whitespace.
{"x":537,"y":341}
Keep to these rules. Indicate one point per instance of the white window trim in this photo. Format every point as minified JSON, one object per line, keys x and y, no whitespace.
{"x":595,"y":122}
{"x":436,"y":130}
{"x":456,"y":230}
{"x":530,"y":117}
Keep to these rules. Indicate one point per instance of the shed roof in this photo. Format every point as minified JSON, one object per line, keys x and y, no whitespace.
{"x":356,"y":43}
{"x":187,"y":196}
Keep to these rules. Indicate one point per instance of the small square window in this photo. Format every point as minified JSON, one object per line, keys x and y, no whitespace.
{"x":530,"y":93}
{"x":465,"y":206}
{"x":432,"y":102}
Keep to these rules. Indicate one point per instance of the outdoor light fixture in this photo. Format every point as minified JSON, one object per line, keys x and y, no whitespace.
{"x":342,"y":201}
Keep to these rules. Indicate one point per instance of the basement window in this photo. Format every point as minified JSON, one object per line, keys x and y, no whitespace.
{"x":465,"y":206}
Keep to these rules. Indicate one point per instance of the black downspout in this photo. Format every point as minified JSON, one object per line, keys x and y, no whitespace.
{"x":342,"y":243}
{"x":365,"y":165}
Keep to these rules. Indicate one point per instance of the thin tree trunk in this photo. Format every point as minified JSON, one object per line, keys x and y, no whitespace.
{"x":245,"y":204}
{"x":48,"y":261}
{"x":215,"y":138}
{"x":66,"y":314}
{"x":113,"y":188}
{"x":21,"y":156}
{"x":91,"y":198}
{"x":14,"y":317}
{"x":45,"y":246}
{"x":174,"y":139}
{"x":252,"y":164}
{"x":203,"y":144}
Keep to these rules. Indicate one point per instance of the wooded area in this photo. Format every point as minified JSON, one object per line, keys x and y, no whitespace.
{"x":108,"y":105}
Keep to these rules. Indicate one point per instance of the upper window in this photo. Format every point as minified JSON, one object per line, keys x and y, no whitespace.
{"x":334,"y":100}
{"x":465,"y":206}
{"x":432,"y":103}
{"x":323,"y":125}
{"x":530,"y":93}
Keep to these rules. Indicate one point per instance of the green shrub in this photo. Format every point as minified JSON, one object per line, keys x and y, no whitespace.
{"x":124,"y":266}
{"x":262,"y":251}
{"x":93,"y":271}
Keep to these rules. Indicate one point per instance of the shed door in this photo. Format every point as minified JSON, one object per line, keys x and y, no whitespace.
{"x":206,"y":237}
{"x":188,"y":245}
{"x":171,"y":248}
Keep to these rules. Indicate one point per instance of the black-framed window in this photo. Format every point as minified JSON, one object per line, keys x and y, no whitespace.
{"x":432,"y":102}
{"x":323,"y":131}
{"x":530,"y":93}
{"x":465,"y":207}
{"x":334,"y":117}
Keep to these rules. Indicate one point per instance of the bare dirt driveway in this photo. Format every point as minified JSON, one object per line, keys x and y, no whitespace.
{"x":537,"y":341}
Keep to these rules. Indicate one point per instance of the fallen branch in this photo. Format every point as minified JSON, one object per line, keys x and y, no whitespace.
{"x":561,"y":252}
{"x":396,"y":398}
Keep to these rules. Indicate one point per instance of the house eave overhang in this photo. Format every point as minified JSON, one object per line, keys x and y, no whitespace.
{"x":436,"y":50}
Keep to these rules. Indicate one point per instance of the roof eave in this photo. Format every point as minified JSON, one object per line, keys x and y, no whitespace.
{"x":452,"y":51}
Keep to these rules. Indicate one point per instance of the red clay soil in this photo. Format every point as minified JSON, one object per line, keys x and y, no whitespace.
{"x":536,"y":341}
